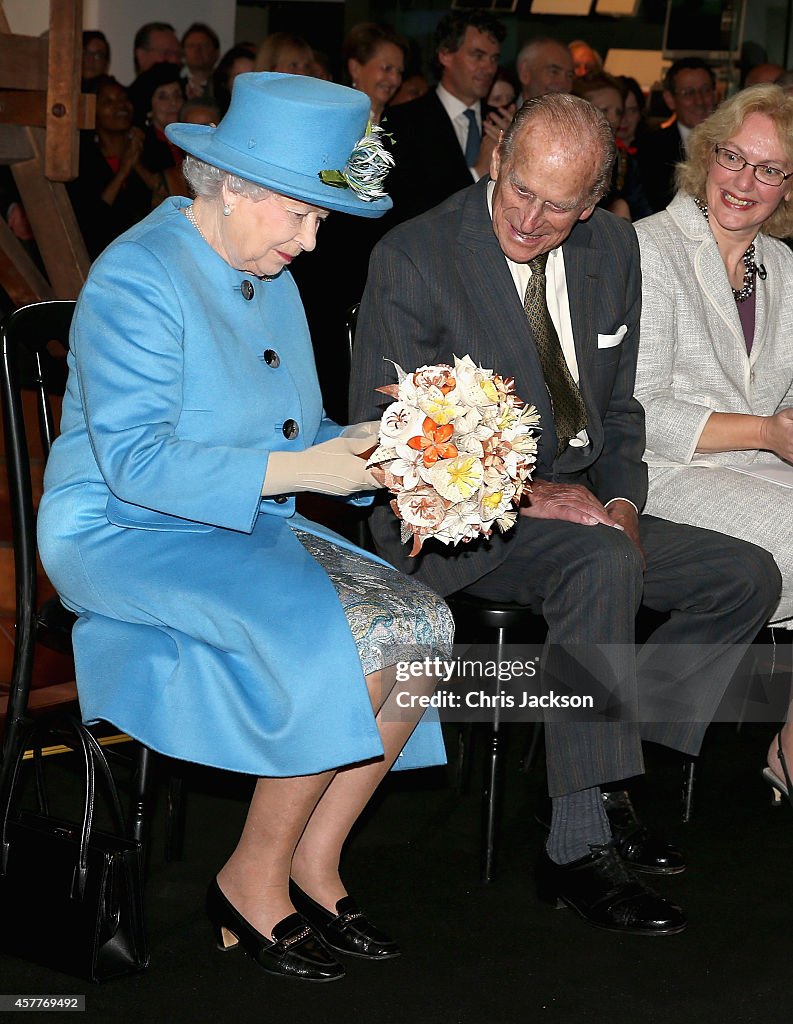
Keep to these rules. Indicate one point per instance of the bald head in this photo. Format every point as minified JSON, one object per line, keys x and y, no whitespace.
{"x":585,"y":59}
{"x":551,"y":168}
{"x":544,"y":65}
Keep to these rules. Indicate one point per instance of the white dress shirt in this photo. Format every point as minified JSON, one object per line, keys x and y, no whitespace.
{"x":456,"y":110}
{"x":558,"y":305}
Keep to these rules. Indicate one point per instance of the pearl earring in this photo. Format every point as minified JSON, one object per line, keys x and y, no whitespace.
{"x":227,"y":210}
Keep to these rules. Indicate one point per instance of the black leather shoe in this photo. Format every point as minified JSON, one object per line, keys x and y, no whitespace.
{"x":640,"y":848}
{"x":293,"y":952}
{"x":348,"y":930}
{"x":604,"y":892}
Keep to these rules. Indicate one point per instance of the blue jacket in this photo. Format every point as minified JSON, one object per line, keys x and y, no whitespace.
{"x":206,"y":630}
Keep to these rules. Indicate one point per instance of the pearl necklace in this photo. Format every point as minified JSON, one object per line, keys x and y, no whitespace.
{"x":190,"y":214}
{"x":749,"y":266}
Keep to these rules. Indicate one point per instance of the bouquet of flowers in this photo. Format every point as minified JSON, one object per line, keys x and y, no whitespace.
{"x":457,"y":448}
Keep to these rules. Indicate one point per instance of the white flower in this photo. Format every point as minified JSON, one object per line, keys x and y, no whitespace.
{"x":457,"y":479}
{"x":440,"y":407}
{"x":400,"y":422}
{"x":474,"y":384}
{"x":474,"y":446}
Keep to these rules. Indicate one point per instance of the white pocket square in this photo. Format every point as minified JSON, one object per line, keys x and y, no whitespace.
{"x":612,"y":340}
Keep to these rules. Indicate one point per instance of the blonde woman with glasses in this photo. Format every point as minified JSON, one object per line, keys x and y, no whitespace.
{"x":715,"y":373}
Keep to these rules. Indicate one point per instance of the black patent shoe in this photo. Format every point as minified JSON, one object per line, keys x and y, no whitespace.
{"x":348,"y":930}
{"x":293,"y":952}
{"x":641,"y":849}
{"x":604,"y":892}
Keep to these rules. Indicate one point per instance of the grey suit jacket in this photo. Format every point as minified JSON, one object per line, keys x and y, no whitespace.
{"x":440,"y":286}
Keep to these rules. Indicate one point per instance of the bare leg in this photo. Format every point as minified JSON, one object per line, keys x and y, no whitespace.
{"x":315,"y":865}
{"x":298,"y":825}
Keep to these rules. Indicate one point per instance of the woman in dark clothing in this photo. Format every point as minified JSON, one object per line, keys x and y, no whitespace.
{"x":158,"y":97}
{"x":113,"y":190}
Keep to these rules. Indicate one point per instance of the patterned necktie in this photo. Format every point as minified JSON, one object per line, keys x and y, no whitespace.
{"x":568,"y":407}
{"x":473,"y":139}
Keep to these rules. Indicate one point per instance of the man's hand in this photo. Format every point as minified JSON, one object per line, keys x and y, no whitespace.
{"x":623,"y":513}
{"x":571,"y":502}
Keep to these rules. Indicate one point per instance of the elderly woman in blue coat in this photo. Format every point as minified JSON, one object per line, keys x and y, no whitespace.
{"x":215,"y":624}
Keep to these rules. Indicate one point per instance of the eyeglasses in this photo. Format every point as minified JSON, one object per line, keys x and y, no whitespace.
{"x":764,"y":173}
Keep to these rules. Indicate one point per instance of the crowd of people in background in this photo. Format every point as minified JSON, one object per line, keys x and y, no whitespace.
{"x":136,"y":167}
{"x":444,"y":122}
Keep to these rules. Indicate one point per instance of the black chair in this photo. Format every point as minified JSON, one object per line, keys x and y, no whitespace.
{"x":34,"y":341}
{"x":493,"y":618}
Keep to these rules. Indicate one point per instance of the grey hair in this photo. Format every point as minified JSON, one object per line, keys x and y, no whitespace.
{"x":207,"y":181}
{"x":529,"y":48}
{"x":576,"y":125}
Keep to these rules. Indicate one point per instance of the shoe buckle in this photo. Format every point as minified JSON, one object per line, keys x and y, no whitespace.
{"x":351,"y":915}
{"x":292,"y":940}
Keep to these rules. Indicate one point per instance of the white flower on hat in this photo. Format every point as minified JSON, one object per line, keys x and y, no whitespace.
{"x":366,"y":169}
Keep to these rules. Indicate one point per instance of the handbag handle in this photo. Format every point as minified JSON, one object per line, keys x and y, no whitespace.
{"x":92,"y":755}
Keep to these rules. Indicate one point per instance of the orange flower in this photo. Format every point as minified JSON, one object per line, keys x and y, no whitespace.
{"x":434,"y":443}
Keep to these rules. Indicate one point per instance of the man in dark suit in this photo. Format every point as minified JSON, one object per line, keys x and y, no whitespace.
{"x":443,"y":141}
{"x":453,"y":282}
{"x":690,"y":92}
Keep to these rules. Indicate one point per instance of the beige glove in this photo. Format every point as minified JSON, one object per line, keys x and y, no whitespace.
{"x":332,"y":467}
{"x":368,"y":430}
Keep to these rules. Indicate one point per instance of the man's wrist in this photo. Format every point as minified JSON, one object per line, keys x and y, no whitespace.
{"x":611,"y":502}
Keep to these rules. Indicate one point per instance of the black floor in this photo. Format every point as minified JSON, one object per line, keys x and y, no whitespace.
{"x":485,"y":954}
{"x":479,"y":954}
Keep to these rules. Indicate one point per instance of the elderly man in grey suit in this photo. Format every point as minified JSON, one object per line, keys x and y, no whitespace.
{"x":522,"y":273}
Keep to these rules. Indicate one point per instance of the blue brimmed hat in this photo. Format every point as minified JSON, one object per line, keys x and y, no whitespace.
{"x":300,"y":136}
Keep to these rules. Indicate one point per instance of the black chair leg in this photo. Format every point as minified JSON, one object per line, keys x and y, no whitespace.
{"x":689,"y":771}
{"x":492,"y":780}
{"x":493,"y":771}
{"x":174,"y":828}
{"x":141,"y":790}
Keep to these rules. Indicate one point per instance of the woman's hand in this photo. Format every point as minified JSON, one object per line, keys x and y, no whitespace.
{"x":333,"y":467}
{"x":133,"y":148}
{"x":777,"y":434}
{"x":128,"y":161}
{"x":741,"y":432}
{"x":368,"y":430}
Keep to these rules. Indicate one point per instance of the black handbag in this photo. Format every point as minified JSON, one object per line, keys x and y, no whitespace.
{"x":70,"y":894}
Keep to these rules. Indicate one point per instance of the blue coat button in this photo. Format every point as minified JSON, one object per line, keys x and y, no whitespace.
{"x":291,"y":429}
{"x":247,"y":290}
{"x":272,"y":358}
